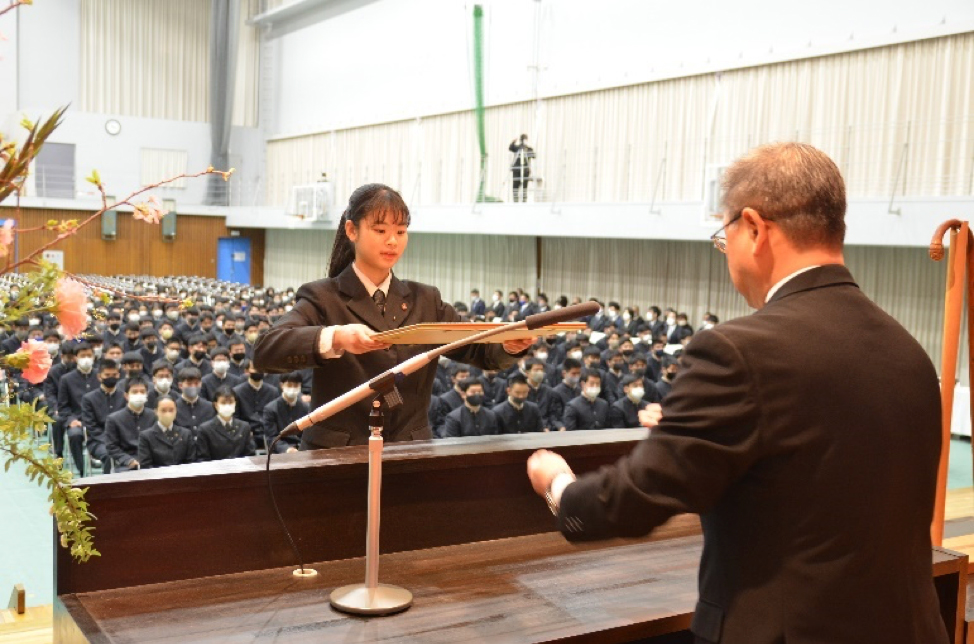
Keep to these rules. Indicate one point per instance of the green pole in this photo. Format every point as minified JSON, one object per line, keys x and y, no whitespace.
{"x":478,"y":75}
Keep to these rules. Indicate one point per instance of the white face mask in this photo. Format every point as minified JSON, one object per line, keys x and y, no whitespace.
{"x":541,"y":356}
{"x":157,"y":313}
{"x":592,"y":392}
{"x":133,"y":317}
{"x":163,"y":384}
{"x":636,"y":394}
{"x":138,"y":400}
{"x":172,"y":355}
{"x":226,"y":411}
{"x":575,"y":355}
{"x":221,"y":367}
{"x":495,"y":298}
{"x":98,"y":352}
{"x":84,"y":364}
{"x":626,"y":317}
{"x":292,"y":393}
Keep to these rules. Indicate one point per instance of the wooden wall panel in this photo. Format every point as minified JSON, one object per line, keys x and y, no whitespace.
{"x":139,"y":248}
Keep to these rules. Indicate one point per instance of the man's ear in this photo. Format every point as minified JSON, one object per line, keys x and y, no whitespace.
{"x":756,"y":226}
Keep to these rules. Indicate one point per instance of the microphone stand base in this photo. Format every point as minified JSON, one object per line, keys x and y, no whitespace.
{"x":382,"y":600}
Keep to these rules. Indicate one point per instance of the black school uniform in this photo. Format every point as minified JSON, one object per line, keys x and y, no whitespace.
{"x":160,"y":447}
{"x":218,"y":440}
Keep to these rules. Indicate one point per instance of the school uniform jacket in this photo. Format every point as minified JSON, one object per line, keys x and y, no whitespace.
{"x":292,"y":343}
{"x":217,"y":441}
{"x":161,"y":449}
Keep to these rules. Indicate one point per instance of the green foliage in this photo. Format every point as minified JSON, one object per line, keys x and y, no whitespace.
{"x":68,"y":505}
{"x":14,"y":172}
{"x":36,"y":294}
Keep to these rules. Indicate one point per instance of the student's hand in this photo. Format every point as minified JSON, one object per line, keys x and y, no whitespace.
{"x":75,"y":423}
{"x":356,"y":338}
{"x":651,"y":416}
{"x":291,"y":450}
{"x":306,"y":399}
{"x":133,"y":465}
{"x":514,"y":347}
{"x":543,"y":467}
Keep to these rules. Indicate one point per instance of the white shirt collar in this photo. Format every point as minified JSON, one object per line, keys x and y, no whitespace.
{"x":369,"y":285}
{"x":776,"y":287}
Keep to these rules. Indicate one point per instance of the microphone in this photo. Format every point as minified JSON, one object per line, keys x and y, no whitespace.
{"x":386,"y":382}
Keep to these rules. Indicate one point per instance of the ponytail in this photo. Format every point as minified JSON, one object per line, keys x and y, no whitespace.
{"x":371,"y":199}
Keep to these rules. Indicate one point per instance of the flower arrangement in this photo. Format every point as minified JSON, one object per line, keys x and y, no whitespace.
{"x":44,"y":289}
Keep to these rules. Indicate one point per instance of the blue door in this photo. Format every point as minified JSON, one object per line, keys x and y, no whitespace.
{"x":233,"y":259}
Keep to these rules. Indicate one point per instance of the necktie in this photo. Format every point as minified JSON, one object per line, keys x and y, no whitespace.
{"x":380,"y":301}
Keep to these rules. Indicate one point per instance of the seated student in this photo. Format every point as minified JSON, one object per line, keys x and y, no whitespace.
{"x":192,"y":410}
{"x":541,"y":395}
{"x":50,"y":385}
{"x":150,"y":350}
{"x":229,"y":332}
{"x":588,"y":411}
{"x":450,"y":400}
{"x":517,"y":415}
{"x":671,"y":367}
{"x":283,"y":411}
{"x":162,"y":382}
{"x":495,"y":388}
{"x":253,"y":395}
{"x":470,"y":418}
{"x":654,"y":362}
{"x":113,"y":351}
{"x":96,"y":406}
{"x":224,"y":436}
{"x":131,"y":341}
{"x":166,"y":443}
{"x":12,"y":344}
{"x":132,"y":366}
{"x":197,"y":356}
{"x":220,"y":376}
{"x":166,"y":333}
{"x":71,"y":389}
{"x":113,"y":333}
{"x":612,"y":378}
{"x":123,"y":427}
{"x":625,"y":411}
{"x":97,"y":346}
{"x":638,"y":369}
{"x":238,"y":358}
{"x":571,"y":372}
{"x":251,"y":332}
{"x":543,"y":352}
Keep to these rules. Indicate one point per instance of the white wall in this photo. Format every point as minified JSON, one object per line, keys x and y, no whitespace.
{"x":396,"y":59}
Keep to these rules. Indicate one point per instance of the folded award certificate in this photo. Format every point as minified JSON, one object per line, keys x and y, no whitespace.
{"x":436,"y":333}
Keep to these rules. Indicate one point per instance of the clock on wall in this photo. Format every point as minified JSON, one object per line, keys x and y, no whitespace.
{"x":113,"y":127}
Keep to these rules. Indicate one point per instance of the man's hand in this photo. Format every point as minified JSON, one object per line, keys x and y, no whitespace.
{"x":75,"y":423}
{"x":356,"y":338}
{"x":651,"y":416}
{"x":514,"y":347}
{"x":133,"y":464}
{"x":543,"y":467}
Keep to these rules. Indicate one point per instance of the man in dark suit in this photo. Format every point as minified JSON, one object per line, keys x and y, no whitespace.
{"x":497,"y":304}
{"x":809,"y":449}
{"x":477,"y":305}
{"x":123,"y":427}
{"x":281,"y":412}
{"x":517,"y":414}
{"x":470,"y":418}
{"x":588,"y":411}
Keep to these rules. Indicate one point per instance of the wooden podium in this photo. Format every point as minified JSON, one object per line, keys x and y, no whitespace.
{"x":194,"y":553}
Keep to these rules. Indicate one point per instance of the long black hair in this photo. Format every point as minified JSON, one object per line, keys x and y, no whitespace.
{"x":371,"y":199}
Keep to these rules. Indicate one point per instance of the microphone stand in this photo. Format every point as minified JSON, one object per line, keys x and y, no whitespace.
{"x":371,"y":597}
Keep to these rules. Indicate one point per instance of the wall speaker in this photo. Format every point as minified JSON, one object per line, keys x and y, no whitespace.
{"x":169,"y":220}
{"x":109,"y":225}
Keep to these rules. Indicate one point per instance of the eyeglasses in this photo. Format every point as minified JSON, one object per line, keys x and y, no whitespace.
{"x":720,"y":242}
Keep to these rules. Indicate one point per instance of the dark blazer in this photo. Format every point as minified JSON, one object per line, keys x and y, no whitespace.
{"x":156,"y":449}
{"x":292,"y":343}
{"x":216,"y":441}
{"x":96,"y":406}
{"x":463,"y":422}
{"x":512,"y":421}
{"x":810,"y":451}
{"x":580,"y":413}
{"x":276,"y":416}
{"x":625,"y":413}
{"x":122,"y":429}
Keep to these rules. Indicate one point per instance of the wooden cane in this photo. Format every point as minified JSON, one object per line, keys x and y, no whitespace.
{"x":957,"y":261}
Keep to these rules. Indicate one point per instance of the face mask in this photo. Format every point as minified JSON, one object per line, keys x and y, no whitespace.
{"x":172,"y":355}
{"x":571,"y":381}
{"x":516,"y":401}
{"x":536,"y":377}
{"x":592,"y":392}
{"x":628,"y":352}
{"x":163,"y":384}
{"x":257,"y":376}
{"x":133,"y":317}
{"x":167,"y":418}
{"x":191,"y":392}
{"x":575,"y":355}
{"x":157,"y":313}
{"x":85,"y":363}
{"x":638,"y":372}
{"x":291,"y":394}
{"x":138,"y":400}
{"x":541,"y":356}
{"x":681,"y":323}
{"x":52,"y":349}
{"x":226,"y":411}
{"x":613,"y":344}
{"x":237,"y":357}
{"x":636,"y":394}
{"x":494,"y":298}
{"x":165,"y":333}
{"x":150,"y":345}
{"x":475,"y":400}
{"x":97,"y":351}
{"x":20,"y":334}
{"x":220,"y":368}
{"x":626,"y":317}
{"x":172,"y":315}
{"x":671,"y":321}
{"x":658,"y":353}
{"x":671,"y":375}
{"x":251,"y":337}
{"x":191,"y":321}
{"x":707,"y":325}
{"x":288,"y":308}
{"x":34,"y":321}
{"x":199,"y":354}
{"x":114,"y":326}
{"x":615,"y":366}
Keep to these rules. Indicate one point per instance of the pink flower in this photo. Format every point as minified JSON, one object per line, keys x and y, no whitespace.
{"x":6,"y":236}
{"x":39,"y":361}
{"x":72,"y":307}
{"x":151,"y":212}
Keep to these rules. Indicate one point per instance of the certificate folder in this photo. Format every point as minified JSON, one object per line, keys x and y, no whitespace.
{"x":436,"y":333}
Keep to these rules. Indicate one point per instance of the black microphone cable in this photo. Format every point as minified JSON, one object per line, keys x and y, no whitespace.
{"x":277,"y":510}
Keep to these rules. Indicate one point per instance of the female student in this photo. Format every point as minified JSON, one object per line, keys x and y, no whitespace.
{"x":333,"y":320}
